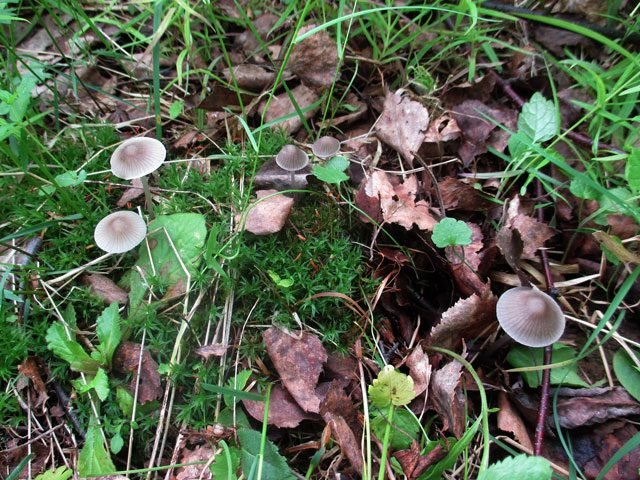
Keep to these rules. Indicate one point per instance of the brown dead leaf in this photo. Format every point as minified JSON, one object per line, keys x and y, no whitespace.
{"x":299,"y":363}
{"x":509,"y":420}
{"x":480,"y":91}
{"x":134,"y":191}
{"x":315,"y":59}
{"x":281,"y":106}
{"x":587,"y":406}
{"x":556,"y":40}
{"x":249,"y":76}
{"x":32,"y":368}
{"x":471,"y":117}
{"x":467,"y":319}
{"x":213,"y":350}
{"x":465,"y":262}
{"x":458,"y":195}
{"x":126,"y":360}
{"x":202,"y":453}
{"x":510,"y":244}
{"x":284,"y":412}
{"x":413,"y":464}
{"x":419,"y":369}
{"x":262,"y":25}
{"x":403,"y":124}
{"x":448,"y":398}
{"x":396,"y":201}
{"x":105,"y":288}
{"x":532,"y":232}
{"x":269,"y":215}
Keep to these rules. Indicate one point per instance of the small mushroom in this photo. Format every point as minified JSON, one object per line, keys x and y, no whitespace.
{"x":530,"y":317}
{"x":292,"y":159}
{"x":120,"y":231}
{"x":325,"y":147}
{"x":136,"y":158}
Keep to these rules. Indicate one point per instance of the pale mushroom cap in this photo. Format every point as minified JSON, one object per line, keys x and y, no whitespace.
{"x":530,"y":317}
{"x":292,"y":159}
{"x":137,"y":157}
{"x":119,"y":232}
{"x":326,"y":147}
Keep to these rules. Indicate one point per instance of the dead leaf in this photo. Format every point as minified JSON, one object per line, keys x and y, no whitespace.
{"x":458,"y":195}
{"x":134,"y":191}
{"x":299,"y":363}
{"x":357,"y":107}
{"x":419,"y":369}
{"x":222,"y":97}
{"x":510,"y":244}
{"x":465,"y":261}
{"x":202,"y":453}
{"x":403,"y":124}
{"x":213,"y":350}
{"x":32,"y":368}
{"x":262,"y":25}
{"x":269,"y":215}
{"x":126,"y":360}
{"x":480,"y":91}
{"x":413,"y":464}
{"x":509,"y":420}
{"x":532,"y":232}
{"x":105,"y":288}
{"x":248,"y":76}
{"x":448,"y":398}
{"x":587,"y":406}
{"x":467,"y":319}
{"x":396,"y":201}
{"x":556,"y":39}
{"x":281,"y":106}
{"x":315,"y":59}
{"x":284,"y":412}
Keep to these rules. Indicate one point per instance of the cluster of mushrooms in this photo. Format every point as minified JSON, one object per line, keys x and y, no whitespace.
{"x":293,"y":159}
{"x":136,"y":157}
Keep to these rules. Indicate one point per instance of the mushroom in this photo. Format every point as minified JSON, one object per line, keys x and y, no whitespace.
{"x":120,"y":231}
{"x":530,"y":317}
{"x":325,"y":147}
{"x":292,"y":159}
{"x":136,"y":158}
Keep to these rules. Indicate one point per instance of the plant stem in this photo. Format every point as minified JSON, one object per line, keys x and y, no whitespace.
{"x":148,"y":201}
{"x":385,"y":443}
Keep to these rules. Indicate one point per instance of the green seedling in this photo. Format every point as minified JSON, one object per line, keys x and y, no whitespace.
{"x":627,"y":372}
{"x":333,"y":171}
{"x":280,"y":282}
{"x":450,"y":232}
{"x":522,"y":467}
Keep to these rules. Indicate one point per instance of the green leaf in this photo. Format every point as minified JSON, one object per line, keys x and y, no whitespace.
{"x":274,"y":466}
{"x":522,"y":467}
{"x":125,"y":401}
{"x":94,"y":460}
{"x":281,"y":282}
{"x":538,"y":119}
{"x":391,"y":386}
{"x":333,"y":171}
{"x":236,"y":383}
{"x":109,"y":332}
{"x":69,"y":350}
{"x":450,"y":232}
{"x":100,"y":383}
{"x":609,"y":206}
{"x":69,"y":316}
{"x":221,"y":468}
{"x":521,"y":357}
{"x":581,"y":189}
{"x":60,"y":473}
{"x":116,"y":443}
{"x":627,"y":373}
{"x":71,"y":179}
{"x":176,"y":109}
{"x":404,"y":429}
{"x":22,"y":98}
{"x":632,"y":170}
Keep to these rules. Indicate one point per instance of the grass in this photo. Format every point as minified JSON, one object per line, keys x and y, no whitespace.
{"x":236,"y":290}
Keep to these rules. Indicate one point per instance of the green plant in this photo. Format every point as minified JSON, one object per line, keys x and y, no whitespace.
{"x":522,"y":467}
{"x":450,"y":232}
{"x":627,"y":372}
{"x":564,"y":370}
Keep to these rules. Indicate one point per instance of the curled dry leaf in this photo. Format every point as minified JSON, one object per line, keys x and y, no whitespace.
{"x":134,"y":191}
{"x":532,"y":233}
{"x":419,"y":369}
{"x":213,"y":350}
{"x":284,"y":412}
{"x":269,"y":215}
{"x":403,"y":124}
{"x":448,"y":398}
{"x":248,"y":76}
{"x":509,"y":420}
{"x":315,"y":59}
{"x":126,"y":360}
{"x":105,"y":288}
{"x":465,"y":261}
{"x":468,"y":318}
{"x":458,"y":195}
{"x":413,"y":464}
{"x":299,"y":363}
{"x":588,"y":406}
{"x":394,"y":202}
{"x":281,"y":106}
{"x":200,"y":454}
{"x":31,"y":369}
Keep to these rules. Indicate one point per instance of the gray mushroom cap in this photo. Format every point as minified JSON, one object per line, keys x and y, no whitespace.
{"x":120,"y":231}
{"x":137,"y":157}
{"x":292,"y":159}
{"x":326,"y":147}
{"x":530,"y":317}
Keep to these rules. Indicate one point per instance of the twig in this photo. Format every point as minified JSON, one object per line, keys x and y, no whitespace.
{"x":65,"y":402}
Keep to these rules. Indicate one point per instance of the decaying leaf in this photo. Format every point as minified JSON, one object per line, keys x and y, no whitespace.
{"x":281,"y":106}
{"x":403,"y":124}
{"x":384,"y":197}
{"x":299,"y":363}
{"x":419,"y":369}
{"x":126,"y":360}
{"x":588,"y":406}
{"x":105,"y":288}
{"x":269,"y":215}
{"x":134,"y":191}
{"x":202,"y":453}
{"x":413,"y":464}
{"x":458,"y":195}
{"x":31,"y":369}
{"x":532,"y":233}
{"x":465,"y":261}
{"x":448,"y":398}
{"x":248,"y":76}
{"x":315,"y":59}
{"x":509,"y":420}
{"x":468,"y":318}
{"x":284,"y":412}
{"x":480,"y":91}
{"x":213,"y":350}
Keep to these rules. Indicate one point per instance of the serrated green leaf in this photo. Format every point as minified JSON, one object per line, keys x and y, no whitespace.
{"x":538,"y":119}
{"x":60,"y":473}
{"x":69,"y":316}
{"x":329,"y":175}
{"x":522,"y":467}
{"x":450,"y":232}
{"x":581,"y":189}
{"x":94,"y":460}
{"x":109,"y":332}
{"x":520,"y":356}
{"x":632,"y":170}
{"x":100,"y":383}
{"x":609,"y":206}
{"x":391,"y":387}
{"x":221,"y":468}
{"x":627,"y":373}
{"x":71,"y":179}
{"x":176,"y":109}
{"x":274,"y":466}
{"x":339,"y":162}
{"x":69,"y":350}
{"x":403,"y":432}
{"x":125,"y":401}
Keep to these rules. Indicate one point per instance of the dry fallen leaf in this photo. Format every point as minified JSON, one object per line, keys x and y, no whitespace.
{"x":281,"y":106}
{"x":448,"y":398}
{"x":315,"y":59}
{"x":269,"y":215}
{"x":126,"y":360}
{"x":458,"y":195}
{"x":403,"y":124}
{"x":284,"y":412}
{"x":419,"y":369}
{"x":465,"y":262}
{"x":587,"y":406}
{"x":31,"y":369}
{"x":213,"y":350}
{"x":532,"y":232}
{"x":299,"y":363}
{"x":413,"y":464}
{"x":134,"y":191}
{"x":202,"y":453}
{"x":248,"y":76}
{"x":509,"y":420}
{"x":105,"y":288}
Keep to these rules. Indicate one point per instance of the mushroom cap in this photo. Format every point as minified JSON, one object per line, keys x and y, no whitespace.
{"x":137,"y":157}
{"x":530,"y":317}
{"x":120,"y":231}
{"x":326,"y":147}
{"x":292,"y":159}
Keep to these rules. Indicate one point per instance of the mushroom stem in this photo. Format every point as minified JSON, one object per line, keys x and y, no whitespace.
{"x":148,"y":200}
{"x":292,"y":178}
